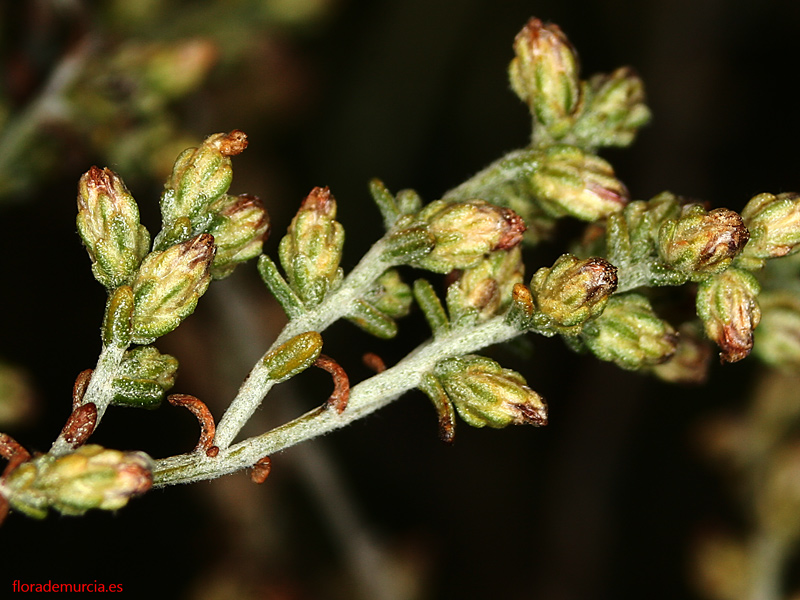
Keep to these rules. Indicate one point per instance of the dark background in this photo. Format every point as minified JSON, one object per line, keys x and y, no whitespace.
{"x":601,"y":504}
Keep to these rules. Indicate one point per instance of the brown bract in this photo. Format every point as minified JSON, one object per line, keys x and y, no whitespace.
{"x":80,"y":425}
{"x":341,"y":383}
{"x":513,"y":229}
{"x":205,"y":419}
{"x":232,"y":144}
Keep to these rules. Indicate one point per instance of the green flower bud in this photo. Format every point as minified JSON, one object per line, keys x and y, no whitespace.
{"x":571,"y":182}
{"x":700,"y":243}
{"x":484,"y":393}
{"x":544,"y":74}
{"x":89,"y":477}
{"x":774,"y":225}
{"x":486,"y":287}
{"x":390,"y":295}
{"x":728,"y":306}
{"x":168,"y":286}
{"x":574,"y":290}
{"x":199,"y":177}
{"x":629,"y":334}
{"x":312,"y":248}
{"x":293,"y":357}
{"x":777,"y":339}
{"x":239,"y":226}
{"x":689,"y":364}
{"x":145,"y":375}
{"x":108,"y":223}
{"x":388,"y":299}
{"x":615,"y":109}
{"x":466,"y":231}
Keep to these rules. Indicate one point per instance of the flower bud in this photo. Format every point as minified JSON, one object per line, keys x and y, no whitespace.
{"x":89,"y":477}
{"x":199,"y":177}
{"x":629,"y":334}
{"x":108,"y":223}
{"x":484,"y":393}
{"x":774,"y":225}
{"x":145,"y":375}
{"x":312,"y":248}
{"x":728,"y":306}
{"x":544,"y":74}
{"x":574,"y":290}
{"x":615,"y":109}
{"x":571,"y":182}
{"x":486,"y":288}
{"x":239,"y":227}
{"x":388,"y":299}
{"x":168,"y":286}
{"x":777,"y":339}
{"x":689,"y":364}
{"x":390,"y":295}
{"x":699,"y":242}
{"x":464,"y":232}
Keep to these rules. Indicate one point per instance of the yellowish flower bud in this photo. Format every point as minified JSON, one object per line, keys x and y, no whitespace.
{"x":728,"y":306}
{"x":108,"y":222}
{"x":168,"y":286}
{"x":89,"y":477}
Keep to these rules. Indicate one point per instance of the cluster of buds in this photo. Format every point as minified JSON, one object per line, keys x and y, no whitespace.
{"x":630,"y":334}
{"x":701,"y":243}
{"x":464,"y":232}
{"x":87,"y":478}
{"x":573,"y":291}
{"x":607,"y":110}
{"x":206,"y":234}
{"x":311,"y":250}
{"x":484,"y":393}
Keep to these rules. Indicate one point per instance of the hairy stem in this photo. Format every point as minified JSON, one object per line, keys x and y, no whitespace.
{"x":365,"y":398}
{"x":99,"y":391}
{"x":517,"y":164}
{"x":334,"y":307}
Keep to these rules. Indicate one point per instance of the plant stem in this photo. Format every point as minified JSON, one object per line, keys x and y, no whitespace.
{"x":365,"y":398}
{"x":517,"y":164}
{"x":334,"y":307}
{"x":99,"y":391}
